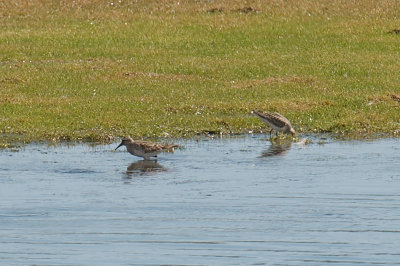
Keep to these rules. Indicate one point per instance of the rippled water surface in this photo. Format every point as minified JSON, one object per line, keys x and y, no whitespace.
{"x":215,"y":202}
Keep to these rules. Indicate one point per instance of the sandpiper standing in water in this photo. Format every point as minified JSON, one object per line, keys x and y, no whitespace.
{"x":143,"y":148}
{"x":276,"y":121}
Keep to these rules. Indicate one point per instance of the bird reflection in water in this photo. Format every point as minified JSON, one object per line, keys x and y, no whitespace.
{"x":277,"y":147}
{"x":144,"y":168}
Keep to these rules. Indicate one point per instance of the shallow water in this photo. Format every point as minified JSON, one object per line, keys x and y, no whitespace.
{"x":216,"y":202}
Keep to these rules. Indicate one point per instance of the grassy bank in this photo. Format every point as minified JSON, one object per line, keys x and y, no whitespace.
{"x":94,"y":70}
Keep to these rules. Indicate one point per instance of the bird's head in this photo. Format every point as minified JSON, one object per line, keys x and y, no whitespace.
{"x":289,"y":130}
{"x":124,"y":142}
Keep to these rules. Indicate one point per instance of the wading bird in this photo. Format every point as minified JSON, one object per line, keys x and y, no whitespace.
{"x":276,"y":121}
{"x":144,"y":149}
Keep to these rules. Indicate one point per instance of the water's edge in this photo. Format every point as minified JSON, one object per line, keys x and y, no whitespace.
{"x":238,"y":200}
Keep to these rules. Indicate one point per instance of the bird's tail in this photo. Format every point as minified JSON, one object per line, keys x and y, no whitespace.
{"x":171,"y":148}
{"x":256,"y":113}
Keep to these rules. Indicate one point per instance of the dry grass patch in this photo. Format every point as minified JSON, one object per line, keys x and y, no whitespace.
{"x":245,"y":84}
{"x":395,"y":97}
{"x":162,"y":76}
{"x":115,"y":10}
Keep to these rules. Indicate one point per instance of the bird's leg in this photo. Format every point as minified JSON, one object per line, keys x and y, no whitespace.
{"x":270,"y":133}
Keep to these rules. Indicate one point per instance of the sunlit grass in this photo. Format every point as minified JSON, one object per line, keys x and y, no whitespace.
{"x":95,"y":70}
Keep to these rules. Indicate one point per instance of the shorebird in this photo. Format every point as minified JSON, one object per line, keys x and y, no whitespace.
{"x":144,"y":149}
{"x":276,"y":121}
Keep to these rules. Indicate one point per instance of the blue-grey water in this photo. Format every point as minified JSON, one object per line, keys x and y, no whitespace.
{"x":233,"y":201}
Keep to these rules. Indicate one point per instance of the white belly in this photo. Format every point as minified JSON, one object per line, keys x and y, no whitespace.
{"x":273,"y":126}
{"x":140,"y":153}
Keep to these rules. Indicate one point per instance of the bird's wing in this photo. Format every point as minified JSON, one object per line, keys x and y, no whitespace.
{"x":278,"y":118}
{"x":275,"y":119}
{"x":153,"y":147}
{"x":148,"y":147}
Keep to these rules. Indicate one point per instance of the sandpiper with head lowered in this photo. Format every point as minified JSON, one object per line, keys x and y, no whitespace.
{"x":276,"y":121}
{"x":144,"y":149}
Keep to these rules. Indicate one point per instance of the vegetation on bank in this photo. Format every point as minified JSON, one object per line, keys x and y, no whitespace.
{"x":94,"y":70}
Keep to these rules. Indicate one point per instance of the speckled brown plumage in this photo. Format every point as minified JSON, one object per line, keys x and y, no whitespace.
{"x":143,"y":148}
{"x":276,"y":121}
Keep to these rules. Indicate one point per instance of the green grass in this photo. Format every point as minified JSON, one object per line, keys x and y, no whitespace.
{"x":94,"y":71}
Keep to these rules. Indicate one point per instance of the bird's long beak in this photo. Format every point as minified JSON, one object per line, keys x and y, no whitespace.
{"x":118,"y":146}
